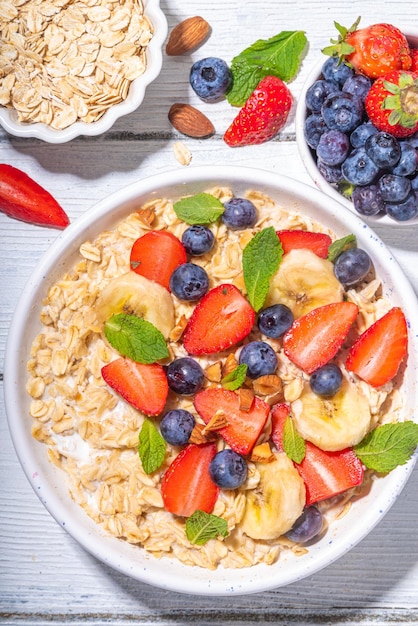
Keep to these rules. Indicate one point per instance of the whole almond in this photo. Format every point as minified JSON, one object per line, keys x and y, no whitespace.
{"x":190,"y":121}
{"x":187,"y":36}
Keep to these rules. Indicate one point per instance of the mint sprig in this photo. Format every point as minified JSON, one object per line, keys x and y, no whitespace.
{"x":260,"y":261}
{"x":201,"y":526}
{"x":340,"y":245}
{"x":293,"y":444}
{"x":278,"y":56}
{"x":202,"y":208}
{"x":235,"y":379}
{"x":135,"y":338}
{"x":388,"y":446}
{"x":151,"y":447}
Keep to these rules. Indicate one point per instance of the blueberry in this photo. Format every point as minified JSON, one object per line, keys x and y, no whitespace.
{"x":189,"y":282}
{"x":394,"y":188}
{"x":331,"y":173}
{"x":359,"y":168}
{"x":185,"y":376}
{"x":358,"y":85}
{"x":228,"y":469}
{"x":210,"y":78}
{"x":176,"y":426}
{"x":260,"y":358}
{"x":408,"y":161}
{"x":333,"y":147}
{"x":352,"y":266}
{"x":367,"y":200}
{"x":335,"y":71}
{"x":383,"y":149}
{"x":414,"y":182}
{"x":404,"y":211}
{"x":317,"y":92}
{"x":326,"y":380}
{"x":342,"y":111}
{"x":198,"y":240}
{"x":361,"y":133}
{"x":413,"y":140}
{"x":275,"y":320}
{"x":307,"y":526}
{"x":313,"y":129}
{"x":239,"y":213}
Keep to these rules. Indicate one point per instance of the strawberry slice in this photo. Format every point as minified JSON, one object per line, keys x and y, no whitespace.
{"x":186,"y":485}
{"x":262,"y":116}
{"x":221,"y":319}
{"x":279,"y":414}
{"x":244,"y":427}
{"x":326,"y":474}
{"x":144,"y":386}
{"x":156,"y":255}
{"x":296,"y":239}
{"x":315,"y":338}
{"x":378,"y":353}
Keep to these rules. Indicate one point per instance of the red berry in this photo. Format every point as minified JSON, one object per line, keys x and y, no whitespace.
{"x":156,"y":255}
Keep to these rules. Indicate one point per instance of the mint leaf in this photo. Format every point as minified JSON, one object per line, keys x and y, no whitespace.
{"x":278,"y":56}
{"x":201,"y":526}
{"x":202,"y":208}
{"x":293,"y":444}
{"x":388,"y":446}
{"x":236,"y":378}
{"x":340,"y":245}
{"x":135,"y":338}
{"x":151,"y":447}
{"x":260,"y":260}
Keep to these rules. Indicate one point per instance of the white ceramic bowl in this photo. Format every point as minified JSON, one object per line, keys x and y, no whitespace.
{"x":47,"y":480}
{"x":308,"y":157}
{"x":154,"y":60}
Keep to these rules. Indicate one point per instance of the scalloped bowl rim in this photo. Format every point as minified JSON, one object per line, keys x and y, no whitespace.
{"x":46,"y":479}
{"x":309,"y":161}
{"x":154,"y":62}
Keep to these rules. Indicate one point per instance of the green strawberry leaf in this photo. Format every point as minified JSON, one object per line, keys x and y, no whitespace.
{"x":201,"y":526}
{"x":151,"y":447}
{"x":261,"y":258}
{"x":236,"y":378}
{"x":388,"y":446}
{"x":293,"y":444}
{"x":278,"y":56}
{"x":340,"y":245}
{"x":135,"y":338}
{"x":202,"y":208}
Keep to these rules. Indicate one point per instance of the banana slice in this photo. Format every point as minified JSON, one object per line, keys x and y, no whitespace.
{"x":333,"y":423}
{"x":303,"y":282}
{"x":132,"y":293}
{"x":277,"y":502}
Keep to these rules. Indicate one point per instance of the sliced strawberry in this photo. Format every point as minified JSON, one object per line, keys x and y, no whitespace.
{"x":143,"y":386}
{"x":221,"y":319}
{"x":156,"y":255}
{"x":262,"y":116}
{"x":315,"y":338}
{"x":378,"y":353}
{"x":244,"y":427}
{"x":279,"y":414}
{"x":296,"y":239}
{"x":326,"y":474}
{"x":186,"y":485}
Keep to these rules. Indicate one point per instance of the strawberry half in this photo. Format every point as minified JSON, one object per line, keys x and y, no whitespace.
{"x":326,"y":474}
{"x":144,"y":386}
{"x":378,"y":353}
{"x":156,"y":255}
{"x":186,"y":485}
{"x":296,"y":239}
{"x":392,"y":103}
{"x":315,"y":338}
{"x":373,"y":50}
{"x":279,"y":414}
{"x":244,"y":427}
{"x":222,"y":318}
{"x":262,"y":116}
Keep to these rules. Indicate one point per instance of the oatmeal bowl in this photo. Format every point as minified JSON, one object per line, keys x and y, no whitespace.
{"x":200,"y":382}
{"x":74,"y":69}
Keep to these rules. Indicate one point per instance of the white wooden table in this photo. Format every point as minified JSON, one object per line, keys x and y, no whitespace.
{"x":45,"y":576}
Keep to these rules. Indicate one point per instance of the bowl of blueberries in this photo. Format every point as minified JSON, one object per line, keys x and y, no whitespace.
{"x":372,"y":170}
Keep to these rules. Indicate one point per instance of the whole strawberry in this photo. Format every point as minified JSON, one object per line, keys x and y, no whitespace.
{"x":373,"y":51}
{"x":414,"y":57}
{"x":392,"y":103}
{"x":262,"y":116}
